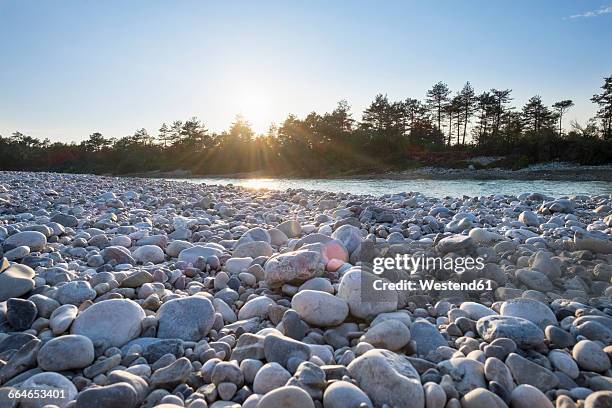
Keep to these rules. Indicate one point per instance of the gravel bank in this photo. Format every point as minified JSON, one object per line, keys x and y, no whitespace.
{"x":126,"y":292}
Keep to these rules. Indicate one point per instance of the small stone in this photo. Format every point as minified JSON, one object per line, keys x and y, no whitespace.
{"x":286,"y":397}
{"x":390,"y":334}
{"x":481,"y":398}
{"x":528,"y":396}
{"x":342,"y":394}
{"x":320,"y":308}
{"x":270,"y":377}
{"x":590,"y":356}
{"x":170,"y":376}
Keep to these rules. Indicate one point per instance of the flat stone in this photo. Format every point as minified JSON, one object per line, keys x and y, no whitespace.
{"x":528,"y":309}
{"x":280,"y":349}
{"x":528,"y":372}
{"x":427,"y":337}
{"x":16,"y":281}
{"x":523,"y":332}
{"x":170,"y":376}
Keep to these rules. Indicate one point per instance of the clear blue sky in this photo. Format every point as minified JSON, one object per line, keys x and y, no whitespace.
{"x":69,"y":68}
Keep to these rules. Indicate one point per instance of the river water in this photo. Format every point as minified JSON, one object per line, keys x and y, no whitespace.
{"x":433,"y":188}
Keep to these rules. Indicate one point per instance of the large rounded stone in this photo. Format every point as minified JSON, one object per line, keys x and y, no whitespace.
{"x":357,"y":289}
{"x":110,"y":323}
{"x":528,"y":309}
{"x":149,"y":253}
{"x":34,"y":240}
{"x":189,"y":318}
{"x":191,"y":255}
{"x":111,"y":396}
{"x":590,"y":356}
{"x":350,"y":237}
{"x":75,"y":293}
{"x":291,"y":228}
{"x":389,"y":334}
{"x":524,"y":333}
{"x":320,"y":308}
{"x":50,"y":382}
{"x":427,"y":337}
{"x":480,"y":398}
{"x":118,"y":255}
{"x":270,"y":377}
{"x":528,"y":396}
{"x":388,"y":378}
{"x":467,"y":374}
{"x":66,"y":353}
{"x":342,"y":394}
{"x":286,"y":397}
{"x":293,"y":267}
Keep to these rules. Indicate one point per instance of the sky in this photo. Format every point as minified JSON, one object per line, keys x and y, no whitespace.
{"x":71,"y":68}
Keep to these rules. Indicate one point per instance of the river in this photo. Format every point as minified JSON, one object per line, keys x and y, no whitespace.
{"x":433,"y":188}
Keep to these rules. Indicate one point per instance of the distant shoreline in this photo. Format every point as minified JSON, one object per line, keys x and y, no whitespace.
{"x":548,"y":171}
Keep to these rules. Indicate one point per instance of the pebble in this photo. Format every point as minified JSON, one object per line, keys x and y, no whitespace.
{"x":590,"y":356}
{"x":110,"y":323}
{"x":320,"y":308}
{"x":66,"y":353}
{"x":189,"y":318}
{"x":526,"y":395}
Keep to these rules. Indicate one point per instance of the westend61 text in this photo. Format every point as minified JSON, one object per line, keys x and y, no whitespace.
{"x":430,"y":284}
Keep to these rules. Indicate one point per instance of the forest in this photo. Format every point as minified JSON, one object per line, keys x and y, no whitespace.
{"x":442,"y":129}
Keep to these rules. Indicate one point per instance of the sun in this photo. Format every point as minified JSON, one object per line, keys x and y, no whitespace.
{"x":255,"y":106}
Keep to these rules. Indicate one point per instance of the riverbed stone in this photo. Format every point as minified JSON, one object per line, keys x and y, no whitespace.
{"x":320,"y":308}
{"x":16,"y":281}
{"x":66,"y":353}
{"x":523,"y":332}
{"x":189,"y":318}
{"x":110,"y":323}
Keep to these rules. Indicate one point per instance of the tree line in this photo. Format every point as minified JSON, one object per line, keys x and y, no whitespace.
{"x":441,"y":129}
